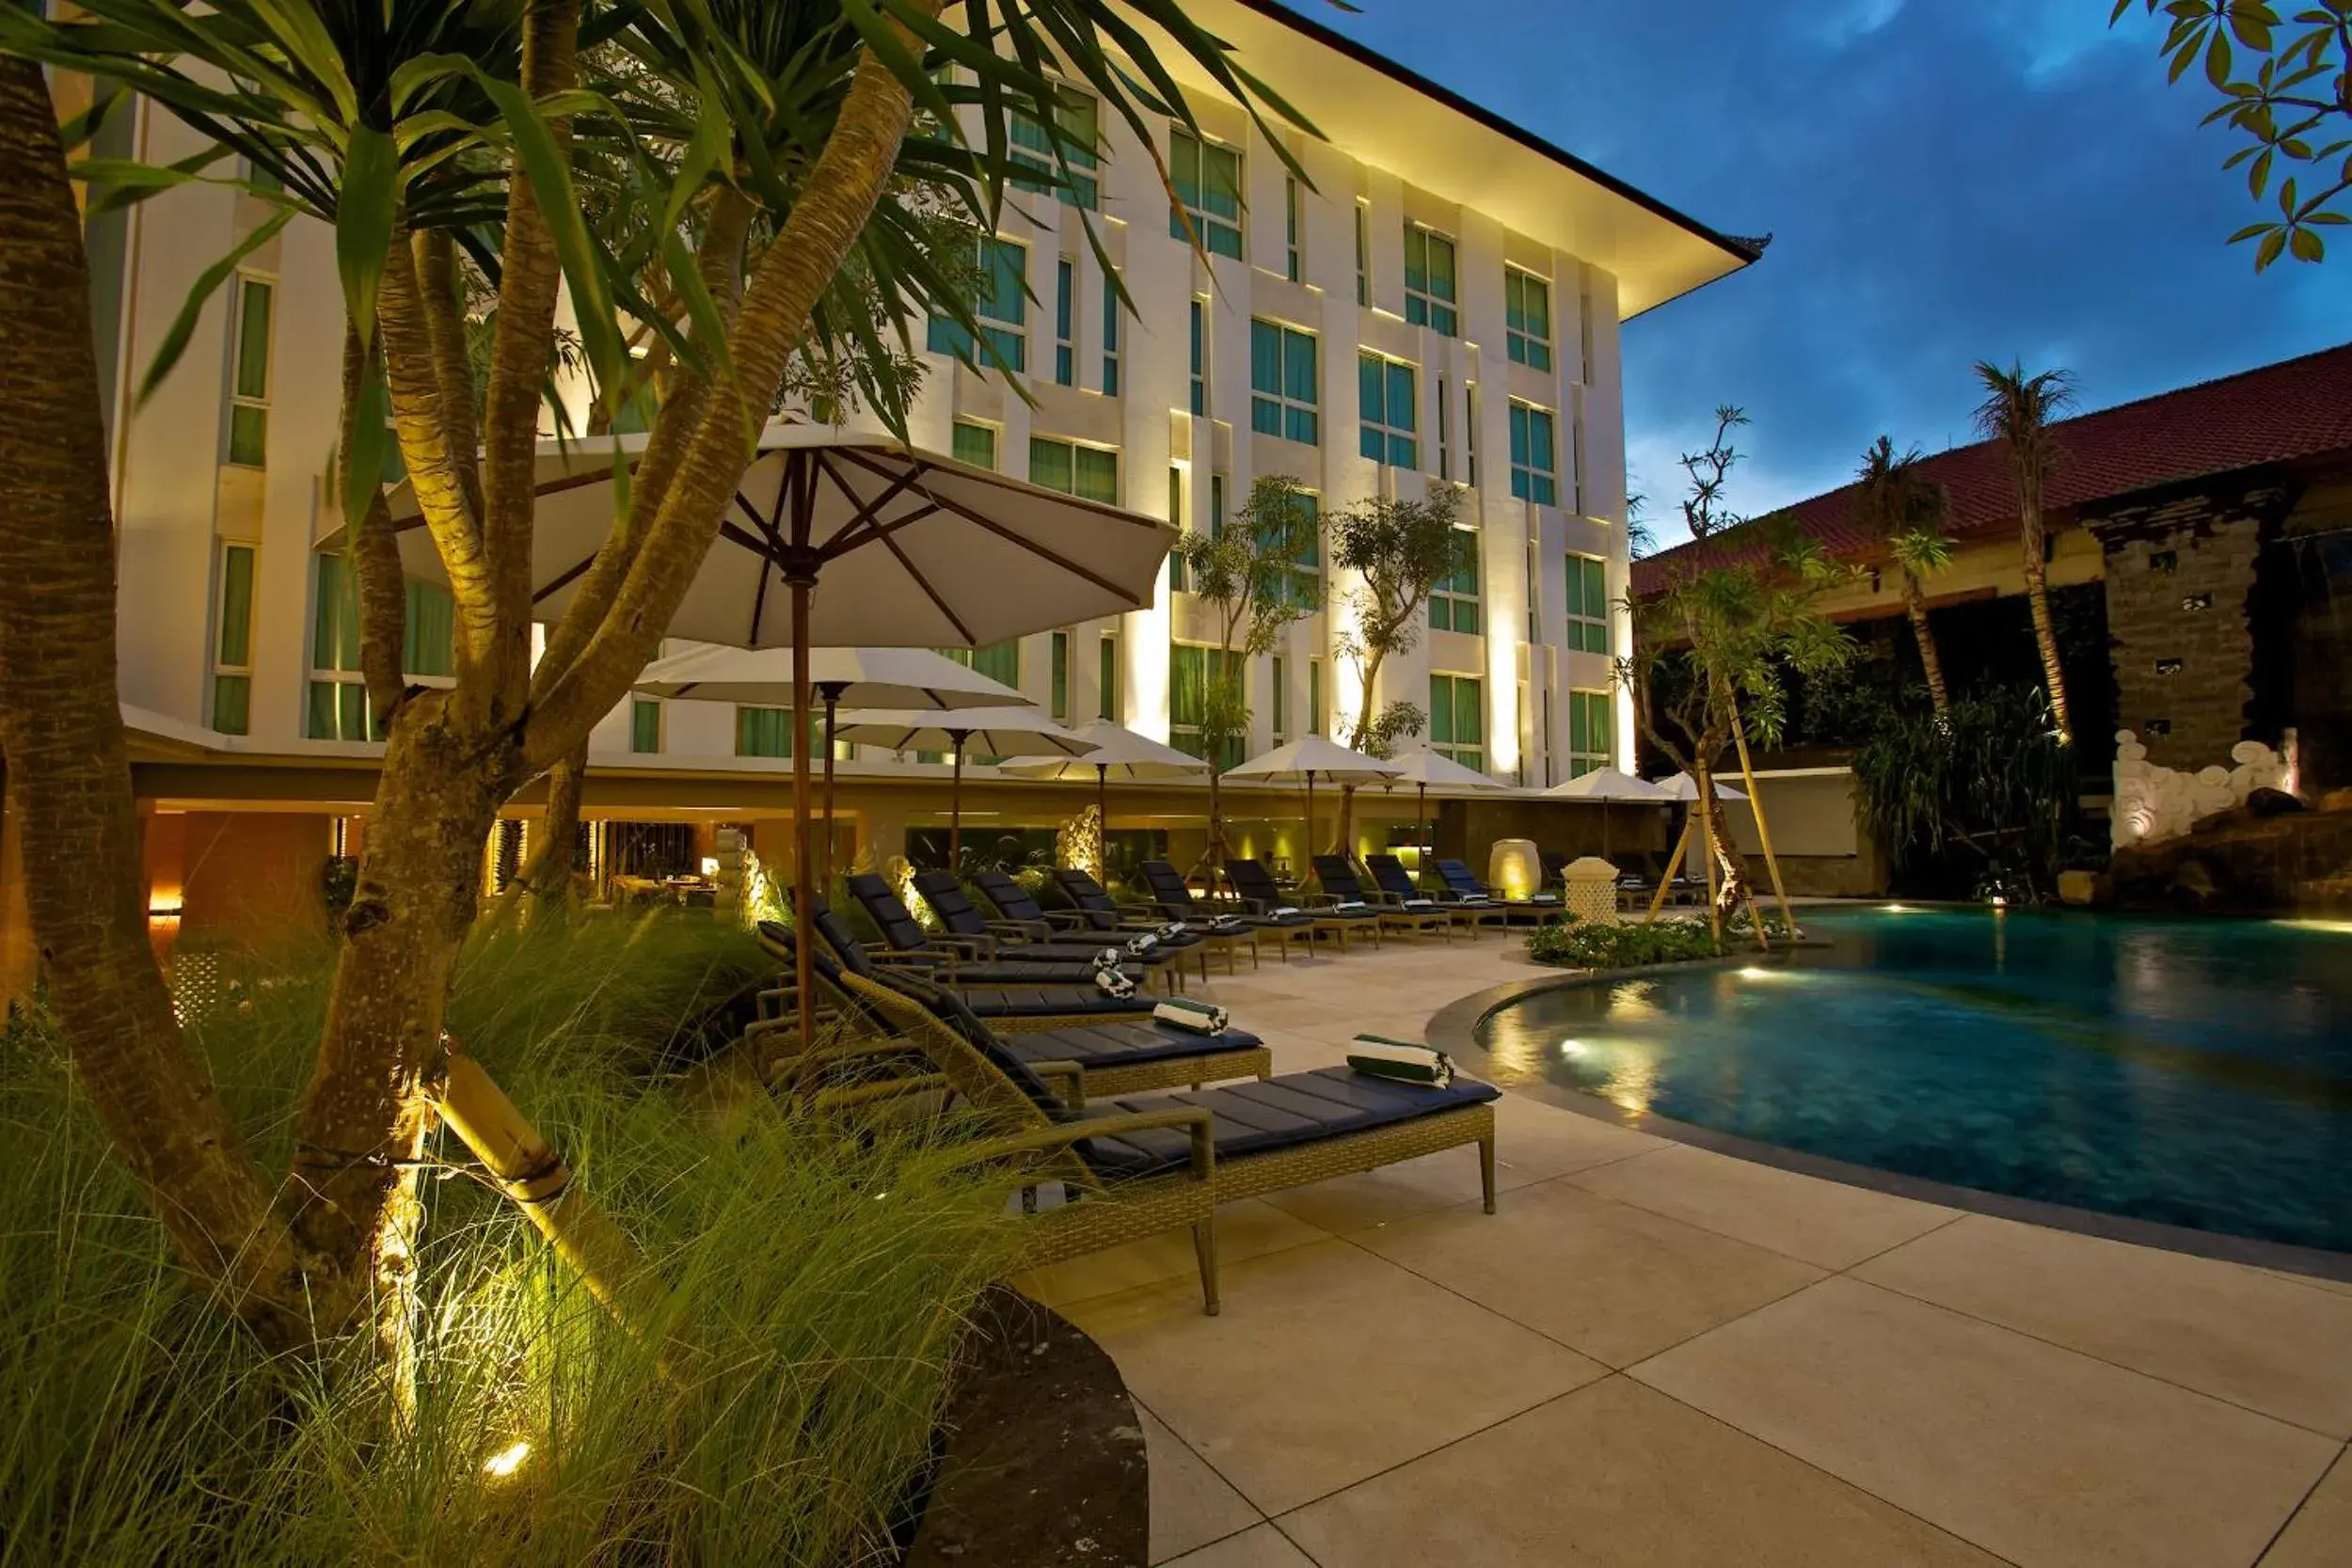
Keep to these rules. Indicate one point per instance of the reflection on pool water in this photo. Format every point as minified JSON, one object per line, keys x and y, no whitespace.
{"x":2194,"y":1072}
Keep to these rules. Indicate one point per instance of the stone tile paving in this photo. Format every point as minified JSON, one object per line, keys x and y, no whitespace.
{"x":1657,"y":1354}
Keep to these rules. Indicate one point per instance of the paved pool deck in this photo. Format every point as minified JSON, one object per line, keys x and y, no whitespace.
{"x":1659,"y":1354}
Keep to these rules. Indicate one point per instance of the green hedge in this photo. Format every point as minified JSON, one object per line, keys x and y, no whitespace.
{"x":1577,"y":944}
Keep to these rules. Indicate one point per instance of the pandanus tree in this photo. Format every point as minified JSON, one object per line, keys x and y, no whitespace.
{"x":1246,"y":572}
{"x":1903,"y":510}
{"x":787,"y":154}
{"x":1397,"y":552}
{"x":2019,"y":414}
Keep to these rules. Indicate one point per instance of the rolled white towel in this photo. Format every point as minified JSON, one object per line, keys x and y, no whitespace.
{"x":1285,"y":911}
{"x":1197,"y":1018}
{"x":1109,"y":958}
{"x":1421,"y":903}
{"x":1114,"y":982}
{"x":1351,"y":905}
{"x":1401,"y":1061}
{"x":1543,"y":898}
{"x":1141,"y":944}
{"x":1175,"y":931}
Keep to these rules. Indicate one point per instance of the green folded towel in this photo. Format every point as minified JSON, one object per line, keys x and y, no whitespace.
{"x":1198,"y":1017}
{"x":1401,"y":1061}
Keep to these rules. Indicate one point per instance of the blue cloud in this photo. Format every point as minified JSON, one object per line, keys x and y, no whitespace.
{"x":1946,"y":182}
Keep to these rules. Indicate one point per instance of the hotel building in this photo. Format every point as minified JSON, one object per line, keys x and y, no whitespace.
{"x":1438,"y":301}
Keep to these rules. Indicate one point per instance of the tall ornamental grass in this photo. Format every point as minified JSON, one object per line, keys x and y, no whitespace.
{"x":819,"y":1274}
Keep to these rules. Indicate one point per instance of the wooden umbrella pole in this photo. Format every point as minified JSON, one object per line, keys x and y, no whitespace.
{"x":1103,"y":822}
{"x":803,"y":884}
{"x":1426,"y":840}
{"x":833,"y":698}
{"x":955,"y":810}
{"x":1311,"y":828}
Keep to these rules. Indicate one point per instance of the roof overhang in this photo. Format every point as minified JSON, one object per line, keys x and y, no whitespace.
{"x":1435,"y":140}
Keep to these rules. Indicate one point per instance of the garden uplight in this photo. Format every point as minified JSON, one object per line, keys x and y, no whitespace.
{"x":507,"y":1460}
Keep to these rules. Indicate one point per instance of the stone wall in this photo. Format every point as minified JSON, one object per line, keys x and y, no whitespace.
{"x":2180,"y":586}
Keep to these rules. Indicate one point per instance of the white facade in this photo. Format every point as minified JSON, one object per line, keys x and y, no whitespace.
{"x":186,"y":507}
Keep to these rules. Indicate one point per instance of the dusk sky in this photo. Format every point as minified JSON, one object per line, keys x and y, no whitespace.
{"x":1945,"y":180}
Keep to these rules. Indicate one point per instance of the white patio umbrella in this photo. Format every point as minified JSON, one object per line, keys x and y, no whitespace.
{"x":1685,"y":789}
{"x":1424,"y":767}
{"x":1117,"y":749}
{"x":914,"y":550}
{"x":1000,"y":732}
{"x":1606,"y":784}
{"x":909,"y":678}
{"x":1309,"y":757}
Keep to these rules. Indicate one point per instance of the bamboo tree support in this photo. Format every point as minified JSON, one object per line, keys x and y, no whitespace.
{"x":1706,"y":830}
{"x":1764,"y":835}
{"x":1658,"y":899}
{"x":528,"y":1170}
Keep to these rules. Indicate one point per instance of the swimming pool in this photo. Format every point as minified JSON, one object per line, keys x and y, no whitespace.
{"x":2193,"y":1073}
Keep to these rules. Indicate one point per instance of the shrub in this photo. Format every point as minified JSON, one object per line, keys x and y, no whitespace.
{"x":1578,"y":945}
{"x":821,"y":1276}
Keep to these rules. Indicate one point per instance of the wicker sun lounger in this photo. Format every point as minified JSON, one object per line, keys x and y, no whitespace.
{"x":1173,"y":896}
{"x":1255,"y":884}
{"x":1339,"y":880}
{"x":1085,"y":1061}
{"x":1014,"y":941}
{"x":1463,"y":885}
{"x":1389,"y":876}
{"x":965,"y":962}
{"x":1146,"y":1166}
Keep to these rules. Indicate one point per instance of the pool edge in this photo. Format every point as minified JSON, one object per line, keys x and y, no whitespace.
{"x":1454,"y":1029}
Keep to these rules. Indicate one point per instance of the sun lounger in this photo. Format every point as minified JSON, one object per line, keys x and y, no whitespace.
{"x":1047,"y":1005}
{"x":1148,"y":1165}
{"x":1085,"y":1061}
{"x":962,"y":961}
{"x":1347,"y":889}
{"x":1255,"y":884}
{"x":1465,"y":886}
{"x":1389,"y":876}
{"x":1231,"y":925}
{"x":1008,"y":941}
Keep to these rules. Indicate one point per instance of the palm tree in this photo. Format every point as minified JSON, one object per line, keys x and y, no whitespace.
{"x":2020,"y":411}
{"x":1905,"y":510}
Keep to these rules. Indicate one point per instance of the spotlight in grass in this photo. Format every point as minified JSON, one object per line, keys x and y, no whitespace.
{"x":507,"y":1460}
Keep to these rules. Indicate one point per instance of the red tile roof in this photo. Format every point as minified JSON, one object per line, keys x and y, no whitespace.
{"x":2295,"y":408}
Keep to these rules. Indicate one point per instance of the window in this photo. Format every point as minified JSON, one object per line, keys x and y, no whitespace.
{"x":1585,"y":324}
{"x":1061,"y":664}
{"x":1469,"y":432}
{"x":1588,"y":733}
{"x":249,"y":387}
{"x":233,"y":643}
{"x":1576,"y":475}
{"x":1445,"y":431}
{"x":1534,"y":455}
{"x":1106,"y":677}
{"x":1110,"y":340}
{"x":1190,"y":671}
{"x":1090,"y":473}
{"x":1200,"y":355}
{"x":1303,"y":583}
{"x":1527,"y":319}
{"x":1078,"y":186}
{"x":1315,"y":696}
{"x":337,"y":707}
{"x":1208,"y":192}
{"x":1282,"y":382}
{"x":1179,"y":575}
{"x":1065,"y":346}
{"x":1429,"y":289}
{"x":1364,"y":256}
{"x":1216,"y":504}
{"x":1384,"y":390}
{"x":998,"y":661}
{"x":1002,"y":309}
{"x":1453,"y":603}
{"x":1588,"y":605}
{"x":1550,"y":778}
{"x":644,"y":725}
{"x":1279,"y":698}
{"x":1457,"y":719}
{"x":1291,"y":214}
{"x":767,"y":731}
{"x":1534,"y":579}
{"x":975,"y":444}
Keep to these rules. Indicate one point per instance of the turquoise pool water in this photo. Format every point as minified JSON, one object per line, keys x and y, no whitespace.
{"x":2193,"y":1073}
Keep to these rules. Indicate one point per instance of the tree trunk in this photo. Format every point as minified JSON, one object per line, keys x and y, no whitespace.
{"x":1915,"y":603}
{"x":551,"y":874}
{"x":1343,"y":830}
{"x":350,"y":1199}
{"x":2044,"y":630}
{"x":68,"y":772}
